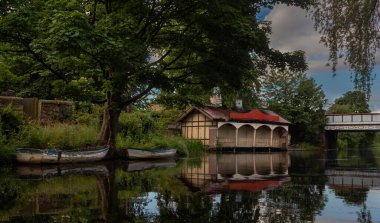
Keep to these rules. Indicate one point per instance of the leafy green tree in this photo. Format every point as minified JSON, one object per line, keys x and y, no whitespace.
{"x":7,"y":79}
{"x":184,"y":96}
{"x":116,"y":52}
{"x":350,"y":30}
{"x":350,"y":102}
{"x":297,"y":98}
{"x":11,"y":122}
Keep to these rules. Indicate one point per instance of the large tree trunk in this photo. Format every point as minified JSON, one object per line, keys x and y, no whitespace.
{"x":104,"y":130}
{"x":108,"y":190}
{"x":108,"y":131}
{"x":113,"y":129}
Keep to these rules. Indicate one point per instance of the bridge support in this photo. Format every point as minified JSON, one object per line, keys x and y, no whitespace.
{"x":331,"y":148}
{"x":331,"y":138}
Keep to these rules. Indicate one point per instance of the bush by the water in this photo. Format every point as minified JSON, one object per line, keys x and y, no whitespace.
{"x":148,"y":129}
{"x":11,"y":122}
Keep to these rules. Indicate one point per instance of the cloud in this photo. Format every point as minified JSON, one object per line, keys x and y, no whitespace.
{"x":293,"y":29}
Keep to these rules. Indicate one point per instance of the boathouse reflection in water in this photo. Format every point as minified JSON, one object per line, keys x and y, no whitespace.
{"x":236,"y":171}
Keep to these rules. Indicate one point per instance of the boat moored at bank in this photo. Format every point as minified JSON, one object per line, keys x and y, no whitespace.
{"x":46,"y":156}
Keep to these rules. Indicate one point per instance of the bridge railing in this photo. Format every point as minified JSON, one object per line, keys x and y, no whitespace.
{"x":357,"y":118}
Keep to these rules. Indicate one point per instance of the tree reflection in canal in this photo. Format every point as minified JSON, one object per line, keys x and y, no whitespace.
{"x":244,"y":187}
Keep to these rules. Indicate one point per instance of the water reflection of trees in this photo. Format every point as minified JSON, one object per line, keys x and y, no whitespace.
{"x":364,"y":216}
{"x":160,"y":196}
{"x":351,"y":195}
{"x":298,"y":201}
{"x":48,"y":201}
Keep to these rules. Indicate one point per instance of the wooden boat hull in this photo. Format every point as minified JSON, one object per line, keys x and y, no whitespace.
{"x":150,"y":154}
{"x":38,"y":156}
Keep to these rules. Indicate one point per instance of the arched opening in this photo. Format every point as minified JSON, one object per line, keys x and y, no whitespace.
{"x":227,"y":136}
{"x":245,"y":164}
{"x":263,"y":164}
{"x":280,"y":137}
{"x":245,"y":136}
{"x":226,"y":165}
{"x":263,"y":136}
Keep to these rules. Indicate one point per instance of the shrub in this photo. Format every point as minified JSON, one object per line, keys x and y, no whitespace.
{"x":92,"y":117}
{"x":147,"y":129}
{"x":11,"y":122}
{"x":195,"y":148}
{"x":139,"y":127}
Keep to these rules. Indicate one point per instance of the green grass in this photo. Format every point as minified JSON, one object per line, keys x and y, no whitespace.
{"x":142,"y":129}
{"x":60,"y":136}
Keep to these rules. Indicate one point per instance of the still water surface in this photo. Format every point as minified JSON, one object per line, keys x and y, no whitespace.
{"x":294,"y":186}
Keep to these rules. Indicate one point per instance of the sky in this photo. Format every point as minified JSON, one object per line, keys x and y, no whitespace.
{"x":293,"y":29}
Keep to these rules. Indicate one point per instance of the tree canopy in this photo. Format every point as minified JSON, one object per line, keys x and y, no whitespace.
{"x":297,"y":98}
{"x":350,"y":30}
{"x":350,"y":102}
{"x":115,"y":52}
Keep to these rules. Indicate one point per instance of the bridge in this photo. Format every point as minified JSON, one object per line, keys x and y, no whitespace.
{"x":354,"y":178}
{"x":356,"y":122}
{"x":353,"y":122}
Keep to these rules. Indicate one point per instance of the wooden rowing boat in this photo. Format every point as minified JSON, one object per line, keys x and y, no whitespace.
{"x":134,"y":153}
{"x":38,"y":156}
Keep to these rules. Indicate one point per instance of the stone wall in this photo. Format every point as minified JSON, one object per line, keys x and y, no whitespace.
{"x":16,"y":102}
{"x":42,"y":111}
{"x":54,"y":110}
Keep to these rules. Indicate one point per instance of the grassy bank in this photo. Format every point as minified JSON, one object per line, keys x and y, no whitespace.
{"x":144,"y":129}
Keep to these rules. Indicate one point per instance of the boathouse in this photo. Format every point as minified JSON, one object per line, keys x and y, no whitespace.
{"x":222,"y":128}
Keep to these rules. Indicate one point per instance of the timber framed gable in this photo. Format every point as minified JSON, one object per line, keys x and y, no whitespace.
{"x":197,"y":125}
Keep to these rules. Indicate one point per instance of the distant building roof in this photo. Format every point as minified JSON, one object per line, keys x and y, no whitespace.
{"x":254,"y":115}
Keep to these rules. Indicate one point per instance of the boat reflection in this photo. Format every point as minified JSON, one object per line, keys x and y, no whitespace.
{"x":150,"y":164}
{"x":238,"y":171}
{"x":39,"y":172}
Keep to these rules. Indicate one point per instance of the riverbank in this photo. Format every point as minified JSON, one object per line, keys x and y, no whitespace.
{"x":140,"y":129}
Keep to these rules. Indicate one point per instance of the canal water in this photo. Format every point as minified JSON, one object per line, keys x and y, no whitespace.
{"x":294,"y":186}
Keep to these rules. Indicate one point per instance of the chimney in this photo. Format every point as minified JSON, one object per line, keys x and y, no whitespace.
{"x":239,"y":104}
{"x":216,"y":101}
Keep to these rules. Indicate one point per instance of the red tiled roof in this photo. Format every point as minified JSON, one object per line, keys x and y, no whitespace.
{"x":281,"y":119}
{"x":226,"y":115}
{"x":254,"y":186}
{"x":254,"y":114}
{"x":211,"y":112}
{"x":217,"y":113}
